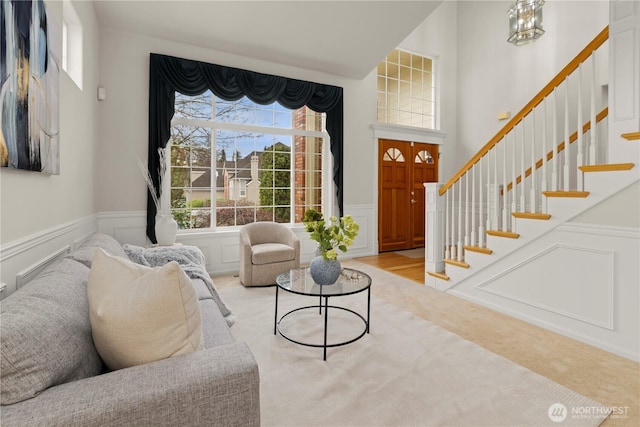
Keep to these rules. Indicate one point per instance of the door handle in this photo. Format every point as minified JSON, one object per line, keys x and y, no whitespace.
{"x":413,"y":201}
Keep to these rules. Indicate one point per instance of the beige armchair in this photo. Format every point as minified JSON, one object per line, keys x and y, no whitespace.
{"x":267,"y":249}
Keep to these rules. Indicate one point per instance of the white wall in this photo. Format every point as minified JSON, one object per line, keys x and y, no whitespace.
{"x":34,"y":203}
{"x":437,"y":38}
{"x":31,"y":201}
{"x":495,"y":76}
{"x":124,"y":64}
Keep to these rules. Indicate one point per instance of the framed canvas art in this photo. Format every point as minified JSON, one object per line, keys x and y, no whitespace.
{"x":29,"y":87}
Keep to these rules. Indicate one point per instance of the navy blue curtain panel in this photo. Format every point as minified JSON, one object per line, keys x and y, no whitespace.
{"x":169,"y":74}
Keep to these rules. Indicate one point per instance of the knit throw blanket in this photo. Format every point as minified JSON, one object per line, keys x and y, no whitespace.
{"x":191,"y":260}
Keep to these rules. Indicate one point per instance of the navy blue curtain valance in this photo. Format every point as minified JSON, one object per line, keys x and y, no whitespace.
{"x":168,"y":74}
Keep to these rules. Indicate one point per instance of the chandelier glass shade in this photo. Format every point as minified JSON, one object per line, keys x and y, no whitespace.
{"x":525,"y":21}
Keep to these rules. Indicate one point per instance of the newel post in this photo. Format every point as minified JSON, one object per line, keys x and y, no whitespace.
{"x":434,"y":231}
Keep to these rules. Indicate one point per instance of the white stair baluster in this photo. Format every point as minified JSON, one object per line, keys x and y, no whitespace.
{"x":467,"y":226}
{"x":532,"y":193}
{"x":453,"y":222}
{"x":505,"y":205}
{"x":514,"y":187}
{"x":495,"y":191}
{"x":554,"y":143}
{"x":567,"y":157}
{"x":473,"y":205}
{"x":543,"y":182}
{"x":492,"y":216}
{"x":523,"y":187}
{"x":481,"y":229}
{"x":580,"y":157}
{"x":447,"y":225}
{"x":460,"y":234}
{"x":593,"y":144}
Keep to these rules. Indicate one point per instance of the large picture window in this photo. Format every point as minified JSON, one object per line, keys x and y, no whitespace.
{"x":169,"y":75}
{"x":237,"y":162}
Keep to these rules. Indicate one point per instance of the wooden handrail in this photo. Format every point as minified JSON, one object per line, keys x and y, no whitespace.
{"x":602,"y":37}
{"x":574,"y":136}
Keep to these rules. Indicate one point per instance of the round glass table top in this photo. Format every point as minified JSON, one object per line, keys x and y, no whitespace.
{"x":299,"y":281}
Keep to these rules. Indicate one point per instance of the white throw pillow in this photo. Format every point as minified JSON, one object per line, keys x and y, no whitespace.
{"x":141,"y":314}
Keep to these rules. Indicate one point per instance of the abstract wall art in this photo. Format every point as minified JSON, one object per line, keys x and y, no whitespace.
{"x":29,"y":87}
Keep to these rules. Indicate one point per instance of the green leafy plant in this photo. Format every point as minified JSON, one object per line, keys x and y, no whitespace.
{"x":337,"y":234}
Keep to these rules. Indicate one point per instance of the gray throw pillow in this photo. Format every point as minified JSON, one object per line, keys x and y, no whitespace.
{"x":84,"y":254}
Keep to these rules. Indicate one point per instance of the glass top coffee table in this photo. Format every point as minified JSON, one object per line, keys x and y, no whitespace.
{"x":299,"y":281}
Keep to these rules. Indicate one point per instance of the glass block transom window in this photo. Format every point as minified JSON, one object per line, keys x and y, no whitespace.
{"x":406,"y":90}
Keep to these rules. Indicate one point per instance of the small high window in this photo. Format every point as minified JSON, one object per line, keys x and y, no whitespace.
{"x":406,"y":90}
{"x":71,"y":43}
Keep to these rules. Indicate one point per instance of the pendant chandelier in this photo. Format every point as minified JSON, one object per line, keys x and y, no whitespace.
{"x":525,"y":21}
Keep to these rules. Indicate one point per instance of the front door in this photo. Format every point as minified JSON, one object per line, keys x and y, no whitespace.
{"x":403,"y":167}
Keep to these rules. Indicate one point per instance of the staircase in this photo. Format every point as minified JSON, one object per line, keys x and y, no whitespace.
{"x":546,"y":166}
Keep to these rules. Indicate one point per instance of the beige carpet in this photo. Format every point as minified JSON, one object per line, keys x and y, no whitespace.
{"x":406,"y":372}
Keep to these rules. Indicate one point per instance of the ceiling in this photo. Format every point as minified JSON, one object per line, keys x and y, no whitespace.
{"x":344,"y":38}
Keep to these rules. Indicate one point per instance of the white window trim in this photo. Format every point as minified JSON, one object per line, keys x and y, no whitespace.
{"x":329,"y":200}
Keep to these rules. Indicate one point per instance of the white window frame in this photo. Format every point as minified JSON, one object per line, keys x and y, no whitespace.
{"x":327,"y":187}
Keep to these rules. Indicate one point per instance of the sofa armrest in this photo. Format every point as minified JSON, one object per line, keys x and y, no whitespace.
{"x":215,"y":386}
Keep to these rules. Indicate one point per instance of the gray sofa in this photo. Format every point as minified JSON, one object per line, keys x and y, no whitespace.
{"x":52,"y":375}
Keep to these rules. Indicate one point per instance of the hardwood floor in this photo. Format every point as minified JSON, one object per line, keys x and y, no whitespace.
{"x":612,"y":380}
{"x":404,"y":266}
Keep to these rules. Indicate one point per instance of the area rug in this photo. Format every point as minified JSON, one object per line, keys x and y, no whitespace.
{"x":405,"y":372}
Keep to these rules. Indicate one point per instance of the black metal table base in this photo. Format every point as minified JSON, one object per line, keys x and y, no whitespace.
{"x":326,"y":306}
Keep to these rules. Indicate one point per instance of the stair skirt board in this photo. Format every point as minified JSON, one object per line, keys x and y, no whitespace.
{"x":607,"y":168}
{"x":577,"y":194}
{"x":457,"y":263}
{"x":478,"y":249}
{"x":442,"y":275}
{"x":507,"y":234}
{"x":531,"y":215}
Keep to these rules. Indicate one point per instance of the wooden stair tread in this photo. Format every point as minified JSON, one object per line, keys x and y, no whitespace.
{"x":531,"y":215}
{"x":457,"y":263}
{"x":499,"y":233}
{"x":607,"y":167}
{"x":580,"y":194}
{"x":441,"y":275}
{"x":478,"y":249}
{"x":631,"y":136}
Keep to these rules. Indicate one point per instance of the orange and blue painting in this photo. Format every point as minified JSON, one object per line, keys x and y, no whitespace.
{"x":29,"y":87}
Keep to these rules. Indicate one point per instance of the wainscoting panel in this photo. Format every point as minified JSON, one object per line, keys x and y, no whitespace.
{"x":23,"y":259}
{"x":580,"y":280}
{"x":221,"y":248}
{"x":572,"y":281}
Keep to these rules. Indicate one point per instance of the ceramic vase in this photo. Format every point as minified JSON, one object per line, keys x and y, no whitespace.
{"x":324,"y":272}
{"x":166,"y":229}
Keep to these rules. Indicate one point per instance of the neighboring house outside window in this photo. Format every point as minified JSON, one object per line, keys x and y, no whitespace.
{"x":237,"y":162}
{"x":406,"y":90}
